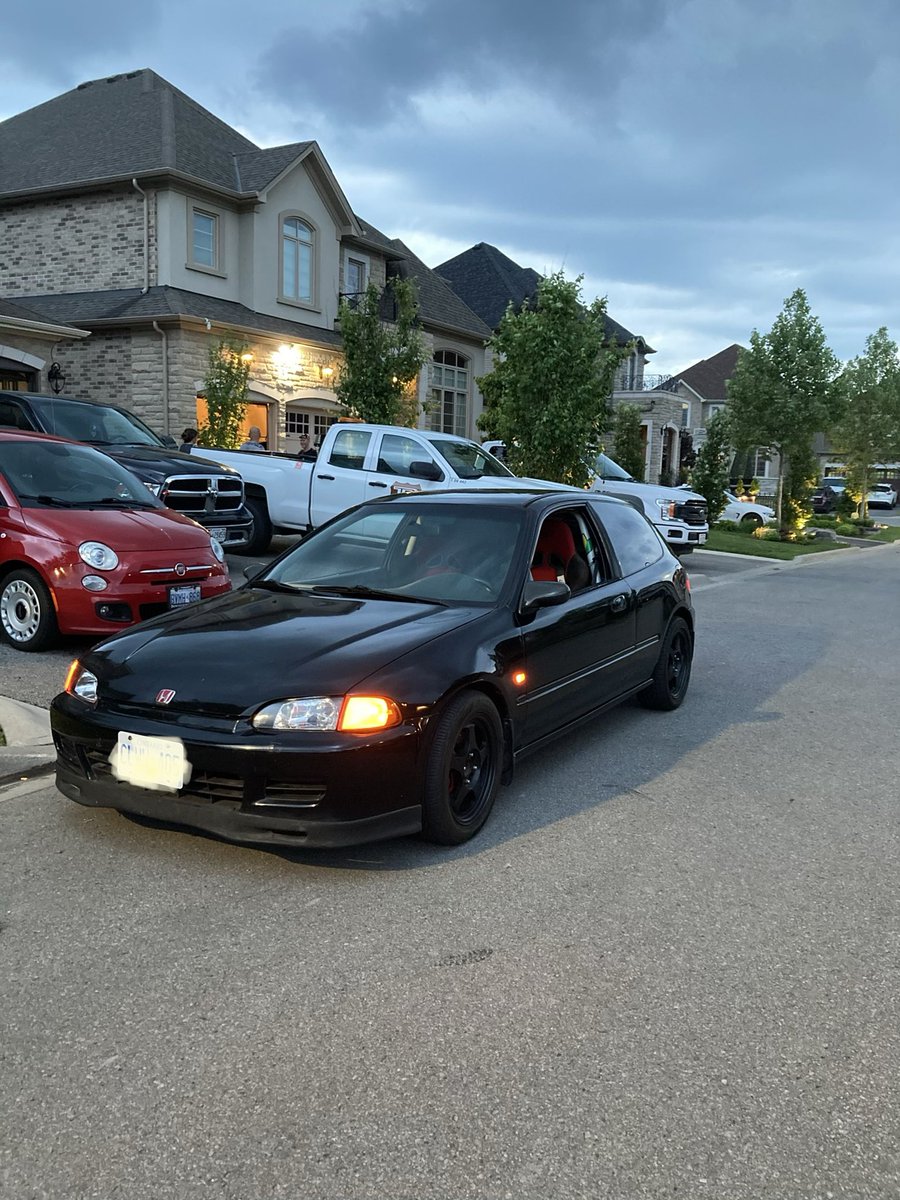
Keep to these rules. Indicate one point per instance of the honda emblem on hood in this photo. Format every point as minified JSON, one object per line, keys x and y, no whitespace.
{"x":165,"y":696}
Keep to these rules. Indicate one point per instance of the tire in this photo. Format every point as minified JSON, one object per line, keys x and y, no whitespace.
{"x":751,"y":521}
{"x":260,"y":530}
{"x":462,"y":774}
{"x":672,"y":673}
{"x":680,"y":551}
{"x":27,"y":615}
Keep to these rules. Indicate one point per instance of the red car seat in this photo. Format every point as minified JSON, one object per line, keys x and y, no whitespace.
{"x":556,"y":556}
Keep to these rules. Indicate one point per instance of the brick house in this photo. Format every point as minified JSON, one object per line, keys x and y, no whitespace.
{"x":130,"y":213}
{"x":488,"y":280}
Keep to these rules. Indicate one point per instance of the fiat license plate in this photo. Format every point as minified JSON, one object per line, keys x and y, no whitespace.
{"x":218,"y":532}
{"x":183,"y":593}
{"x":150,"y":762}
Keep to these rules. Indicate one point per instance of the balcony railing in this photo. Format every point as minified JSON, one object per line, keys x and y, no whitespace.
{"x":387,"y":308}
{"x":647,"y":383}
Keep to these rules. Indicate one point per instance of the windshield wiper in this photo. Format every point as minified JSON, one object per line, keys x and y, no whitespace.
{"x":367,"y":593}
{"x":112,"y":502}
{"x":50,"y":501}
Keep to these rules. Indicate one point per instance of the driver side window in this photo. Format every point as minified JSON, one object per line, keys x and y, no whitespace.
{"x":397,"y":452}
{"x":568,"y":552}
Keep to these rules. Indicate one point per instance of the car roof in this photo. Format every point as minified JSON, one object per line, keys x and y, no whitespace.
{"x":523,"y":497}
{"x":31,"y":435}
{"x":64,"y":399}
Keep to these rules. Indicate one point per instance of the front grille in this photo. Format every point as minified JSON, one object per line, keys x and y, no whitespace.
{"x":692,"y":512}
{"x":203,"y":495}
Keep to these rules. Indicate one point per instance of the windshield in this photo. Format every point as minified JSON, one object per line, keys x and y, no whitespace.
{"x":605,"y":468}
{"x":437,"y":552}
{"x":56,"y":475}
{"x":469,"y":460}
{"x":97,"y":423}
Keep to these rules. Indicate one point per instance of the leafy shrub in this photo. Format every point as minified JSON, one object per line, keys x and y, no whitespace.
{"x":729,"y":526}
{"x":767,"y":533}
{"x":846,"y":530}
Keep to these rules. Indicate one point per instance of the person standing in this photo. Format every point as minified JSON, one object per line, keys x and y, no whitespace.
{"x":188,"y":440}
{"x":253,"y":442}
{"x":307,"y":450}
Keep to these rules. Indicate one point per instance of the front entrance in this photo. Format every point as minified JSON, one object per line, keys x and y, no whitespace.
{"x":309,"y":414}
{"x":15,"y":377}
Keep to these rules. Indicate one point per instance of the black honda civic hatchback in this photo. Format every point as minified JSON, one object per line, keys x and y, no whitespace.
{"x":383,"y":676}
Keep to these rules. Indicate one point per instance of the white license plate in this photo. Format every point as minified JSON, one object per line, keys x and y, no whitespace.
{"x":150,"y":762}
{"x":183,"y":593}
{"x":218,"y":532}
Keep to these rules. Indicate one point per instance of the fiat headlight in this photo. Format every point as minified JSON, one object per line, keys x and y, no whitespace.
{"x":98,"y":555}
{"x":217,"y":550}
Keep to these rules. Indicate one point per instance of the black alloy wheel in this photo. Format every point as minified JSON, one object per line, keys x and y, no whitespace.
{"x":672,"y":673}
{"x":751,"y":520}
{"x":462,"y":774}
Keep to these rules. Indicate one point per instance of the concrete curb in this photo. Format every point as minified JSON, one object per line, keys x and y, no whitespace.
{"x":29,"y":744}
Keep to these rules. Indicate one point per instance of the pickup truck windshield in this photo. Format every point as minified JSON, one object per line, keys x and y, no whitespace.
{"x":100,"y":424}
{"x":605,"y":468}
{"x":468,"y":460}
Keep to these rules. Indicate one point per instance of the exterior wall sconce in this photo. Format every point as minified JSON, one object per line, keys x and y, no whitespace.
{"x":56,"y":378}
{"x":287,"y":359}
{"x":247,"y":357}
{"x":326,"y":372}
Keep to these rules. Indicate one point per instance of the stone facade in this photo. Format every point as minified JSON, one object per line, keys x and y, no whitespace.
{"x":85,"y":243}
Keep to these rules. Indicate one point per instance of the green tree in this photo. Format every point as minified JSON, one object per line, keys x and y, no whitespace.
{"x":381,"y":358}
{"x":628,"y":444}
{"x":784,"y":389}
{"x":711,"y":470}
{"x":225,"y":391}
{"x":869,"y":430}
{"x":548,"y":396}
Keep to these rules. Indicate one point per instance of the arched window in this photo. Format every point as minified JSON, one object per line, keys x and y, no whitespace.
{"x":449,"y":392}
{"x":297,"y":260}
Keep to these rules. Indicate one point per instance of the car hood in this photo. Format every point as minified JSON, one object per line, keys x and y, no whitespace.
{"x":155,"y":462}
{"x":125,"y":530}
{"x":249,"y":647}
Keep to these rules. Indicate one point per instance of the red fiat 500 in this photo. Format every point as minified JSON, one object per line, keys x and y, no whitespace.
{"x":85,"y":548}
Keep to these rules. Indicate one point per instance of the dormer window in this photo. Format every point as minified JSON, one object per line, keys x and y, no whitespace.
{"x":298,"y":242}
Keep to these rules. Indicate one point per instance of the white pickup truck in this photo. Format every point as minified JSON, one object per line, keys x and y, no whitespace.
{"x":678,"y":514}
{"x":356,"y":462}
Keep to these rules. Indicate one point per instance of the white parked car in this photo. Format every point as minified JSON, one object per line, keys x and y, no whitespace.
{"x":882,"y":495}
{"x":746,"y":512}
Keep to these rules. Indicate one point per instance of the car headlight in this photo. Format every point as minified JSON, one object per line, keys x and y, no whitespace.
{"x":349,"y":714}
{"x":98,"y":555}
{"x":666,"y":509}
{"x":81,"y":683}
{"x":217,"y":550}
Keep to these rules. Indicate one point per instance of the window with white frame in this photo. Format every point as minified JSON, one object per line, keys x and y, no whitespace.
{"x":203,"y":248}
{"x":298,"y":243}
{"x":449,"y":392}
{"x":761,"y":462}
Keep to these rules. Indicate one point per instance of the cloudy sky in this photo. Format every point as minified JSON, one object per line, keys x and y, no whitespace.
{"x":695,"y":160}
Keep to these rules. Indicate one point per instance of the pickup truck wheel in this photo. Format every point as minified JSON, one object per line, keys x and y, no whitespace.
{"x":672,"y":673}
{"x":462,"y":774}
{"x":27,"y":616}
{"x":260,"y":530}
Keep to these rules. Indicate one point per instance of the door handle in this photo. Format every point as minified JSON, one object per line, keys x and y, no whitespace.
{"x":331,"y":477}
{"x":375,"y":483}
{"x":619,"y":603}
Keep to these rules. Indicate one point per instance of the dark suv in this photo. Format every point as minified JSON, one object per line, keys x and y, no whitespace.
{"x":210,"y":494}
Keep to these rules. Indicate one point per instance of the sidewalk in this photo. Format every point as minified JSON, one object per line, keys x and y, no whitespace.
{"x":29,"y":745}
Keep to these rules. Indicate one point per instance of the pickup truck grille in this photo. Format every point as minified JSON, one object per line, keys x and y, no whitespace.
{"x":203,"y":495}
{"x":692,"y":512}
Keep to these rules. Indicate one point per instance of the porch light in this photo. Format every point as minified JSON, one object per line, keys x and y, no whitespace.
{"x":287,"y":360}
{"x":56,"y":378}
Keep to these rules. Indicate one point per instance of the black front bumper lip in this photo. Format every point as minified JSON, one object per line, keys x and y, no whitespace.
{"x":237,"y":825}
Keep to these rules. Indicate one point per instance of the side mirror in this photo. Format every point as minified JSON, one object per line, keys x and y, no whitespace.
{"x":252,"y":570}
{"x":425,"y":469}
{"x":544,"y":593}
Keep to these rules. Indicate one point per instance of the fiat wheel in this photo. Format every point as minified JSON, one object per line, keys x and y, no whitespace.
{"x":462,"y":774}
{"x":27,"y":616}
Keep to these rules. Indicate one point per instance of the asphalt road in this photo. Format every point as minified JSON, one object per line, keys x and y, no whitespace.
{"x":667,"y":967}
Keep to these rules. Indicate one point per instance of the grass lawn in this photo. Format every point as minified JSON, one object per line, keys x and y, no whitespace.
{"x":742,"y":543}
{"x":891,"y":534}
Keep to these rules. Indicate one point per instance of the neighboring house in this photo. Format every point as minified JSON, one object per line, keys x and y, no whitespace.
{"x":488,"y":281}
{"x":27,"y":346}
{"x":703,"y":389}
{"x":171,"y":231}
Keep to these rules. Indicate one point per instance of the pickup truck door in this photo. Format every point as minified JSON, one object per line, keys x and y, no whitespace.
{"x":339,"y":479}
{"x":392,"y":456}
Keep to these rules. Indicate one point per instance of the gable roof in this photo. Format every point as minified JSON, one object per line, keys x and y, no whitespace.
{"x":438,"y":302}
{"x":136,"y":125}
{"x":487,"y":280}
{"x":708,"y":378}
